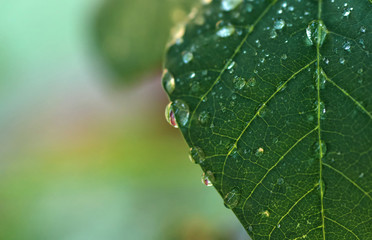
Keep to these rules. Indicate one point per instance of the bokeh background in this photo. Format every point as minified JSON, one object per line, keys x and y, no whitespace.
{"x":85,"y":152}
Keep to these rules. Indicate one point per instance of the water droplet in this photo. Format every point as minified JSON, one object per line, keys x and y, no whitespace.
{"x":168,"y":81}
{"x":226,"y":31}
{"x":231,"y":65}
{"x":239,"y":82}
{"x":250,"y":228}
{"x":177,"y":113}
{"x":249,"y":7}
{"x":169,"y":115}
{"x":196,"y":155}
{"x":259,"y":152}
{"x":273,"y":34}
{"x":204,"y":118}
{"x":284,"y":57}
{"x":316,"y":32}
{"x":228,"y":5}
{"x":279,"y":24}
{"x":251,"y":82}
{"x":321,"y":77}
{"x":291,"y":8}
{"x":280,"y":181}
{"x":319,"y":147}
{"x":266,"y":213}
{"x":342,"y":60}
{"x":363,"y":29}
{"x":187,"y":57}
{"x":361,"y":175}
{"x":347,"y":12}
{"x":232,"y":198}
{"x":322,"y":109}
{"x":346,"y":46}
{"x":208,"y":178}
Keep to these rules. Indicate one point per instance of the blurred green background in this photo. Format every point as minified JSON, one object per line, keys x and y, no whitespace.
{"x":85,"y":152}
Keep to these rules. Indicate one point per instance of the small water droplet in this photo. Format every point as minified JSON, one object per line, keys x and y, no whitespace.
{"x":273,"y":34}
{"x":342,"y":60}
{"x":279,"y":24}
{"x":280,"y":181}
{"x":361,"y":175}
{"x":363,"y":29}
{"x":291,"y":8}
{"x":226,"y":31}
{"x":249,"y":7}
{"x":251,"y":82}
{"x":259,"y":152}
{"x":284,"y":57}
{"x":239,"y":82}
{"x":346,"y":46}
{"x":232,"y":198}
{"x":228,"y":5}
{"x":250,"y":228}
{"x":347,"y":12}
{"x":196,"y":155}
{"x":168,"y":81}
{"x":231,"y":65}
{"x":204,"y":118}
{"x":208,"y":178}
{"x":266,"y":213}
{"x":316,"y":32}
{"x":187,"y":57}
{"x":319,"y":147}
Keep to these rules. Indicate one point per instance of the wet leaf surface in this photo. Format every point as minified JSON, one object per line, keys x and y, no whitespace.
{"x":276,"y":101}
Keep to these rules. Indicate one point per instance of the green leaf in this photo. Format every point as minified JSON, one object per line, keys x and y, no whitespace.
{"x":131,"y":35}
{"x":275,"y":104}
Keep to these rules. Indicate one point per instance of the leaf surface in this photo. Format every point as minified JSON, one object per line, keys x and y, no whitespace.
{"x":274,"y":100}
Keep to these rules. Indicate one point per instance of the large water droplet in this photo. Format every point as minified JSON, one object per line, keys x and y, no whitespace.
{"x":347,"y":12}
{"x":187,"y":57}
{"x":316,"y":32}
{"x":169,"y":115}
{"x":208,"y":178}
{"x":228,"y":5}
{"x":226,"y":31}
{"x":196,"y":155}
{"x":321,"y":77}
{"x":177,"y":113}
{"x":169,"y":83}
{"x":204,"y":118}
{"x":279,"y":24}
{"x":232,"y":198}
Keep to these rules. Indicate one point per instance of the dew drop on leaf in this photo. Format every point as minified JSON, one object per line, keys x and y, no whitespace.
{"x":196,"y":155}
{"x":169,"y":115}
{"x":346,"y":46}
{"x":259,"y":152}
{"x":317,"y":147}
{"x":187,"y":57}
{"x":168,"y":81}
{"x":208,"y":178}
{"x":316,"y":32}
{"x":280,"y":181}
{"x":239,"y":82}
{"x":204,"y":118}
{"x":279,"y":24}
{"x":226,"y":31}
{"x":177,"y":113}
{"x":228,"y":5}
{"x":232,"y":198}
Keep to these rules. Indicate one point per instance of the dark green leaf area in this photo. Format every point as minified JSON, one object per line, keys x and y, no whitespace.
{"x":280,"y":108}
